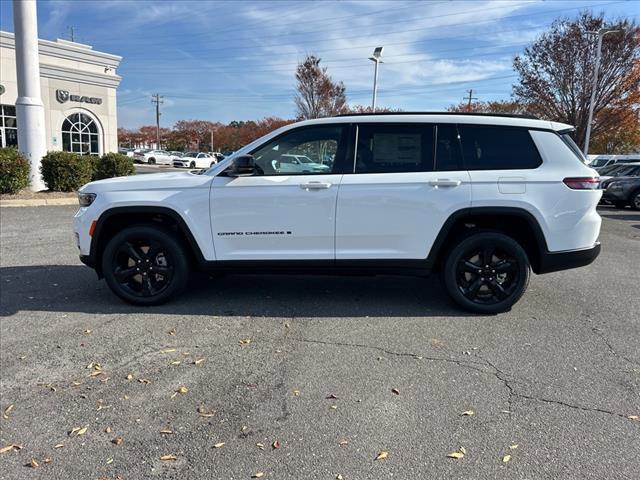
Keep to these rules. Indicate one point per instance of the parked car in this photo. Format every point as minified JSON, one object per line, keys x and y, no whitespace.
{"x":481,"y":199}
{"x":175,"y":154}
{"x":623,"y":191}
{"x":217,"y":155}
{"x":138,"y":154}
{"x":290,"y":163}
{"x":153,"y":157}
{"x":126,"y":151}
{"x":601,"y":161}
{"x":619,"y":170}
{"x":195,"y":160}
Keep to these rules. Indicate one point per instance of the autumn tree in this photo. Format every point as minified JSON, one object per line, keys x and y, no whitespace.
{"x":494,"y":106}
{"x":556,"y":74}
{"x":317,"y":94}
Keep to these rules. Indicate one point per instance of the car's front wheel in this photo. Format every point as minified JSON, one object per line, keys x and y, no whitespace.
{"x":635,"y":200}
{"x":145,"y":265}
{"x":487,"y":272}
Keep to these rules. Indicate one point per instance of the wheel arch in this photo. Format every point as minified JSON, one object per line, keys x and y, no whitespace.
{"x":115,"y":219}
{"x":518,"y":223}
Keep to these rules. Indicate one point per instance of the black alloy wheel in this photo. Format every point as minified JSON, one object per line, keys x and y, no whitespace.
{"x":487,"y":272}
{"x":635,"y":200}
{"x":145,"y":265}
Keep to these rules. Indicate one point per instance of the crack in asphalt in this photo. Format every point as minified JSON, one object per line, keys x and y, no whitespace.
{"x":597,"y":332}
{"x":496,"y":372}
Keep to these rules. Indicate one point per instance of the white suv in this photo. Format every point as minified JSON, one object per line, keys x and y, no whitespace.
{"x":481,"y":199}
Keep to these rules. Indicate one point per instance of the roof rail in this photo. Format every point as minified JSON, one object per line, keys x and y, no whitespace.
{"x":508,"y":115}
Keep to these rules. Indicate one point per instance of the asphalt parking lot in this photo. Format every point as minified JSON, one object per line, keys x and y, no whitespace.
{"x":331,"y":370}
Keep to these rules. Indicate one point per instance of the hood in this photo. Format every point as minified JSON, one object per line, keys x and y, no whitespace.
{"x":151,"y":181}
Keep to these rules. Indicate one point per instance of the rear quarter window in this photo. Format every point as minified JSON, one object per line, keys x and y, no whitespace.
{"x":498,"y":148}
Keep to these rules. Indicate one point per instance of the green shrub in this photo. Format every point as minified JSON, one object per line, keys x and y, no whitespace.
{"x":113,"y":165}
{"x":66,"y":171}
{"x":14,"y":171}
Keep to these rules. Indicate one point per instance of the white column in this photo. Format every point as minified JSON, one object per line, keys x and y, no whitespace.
{"x":32,"y":141}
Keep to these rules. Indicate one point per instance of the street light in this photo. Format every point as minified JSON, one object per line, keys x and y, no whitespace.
{"x":601,"y":33}
{"x":377,"y":53}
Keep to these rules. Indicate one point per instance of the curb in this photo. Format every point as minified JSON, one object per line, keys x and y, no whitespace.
{"x":38,"y":202}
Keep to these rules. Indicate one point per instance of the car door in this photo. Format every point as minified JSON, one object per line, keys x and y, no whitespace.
{"x":203,"y":160}
{"x":398,"y":198}
{"x":280,"y":215}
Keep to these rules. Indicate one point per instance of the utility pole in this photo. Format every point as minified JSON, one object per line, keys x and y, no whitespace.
{"x":601,"y":33}
{"x":469,"y":98}
{"x":157,"y":99}
{"x":71,"y":30}
{"x":29,"y":107}
{"x":211,"y":133}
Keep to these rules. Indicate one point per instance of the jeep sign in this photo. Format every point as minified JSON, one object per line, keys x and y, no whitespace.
{"x":63,"y":96}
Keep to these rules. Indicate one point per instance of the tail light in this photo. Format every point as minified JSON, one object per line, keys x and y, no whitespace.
{"x":582,"y":183}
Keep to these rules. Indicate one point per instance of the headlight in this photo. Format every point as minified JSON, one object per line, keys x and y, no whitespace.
{"x":86,"y":199}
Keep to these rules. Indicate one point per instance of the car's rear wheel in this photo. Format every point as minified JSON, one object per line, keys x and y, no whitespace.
{"x":192,"y":165}
{"x":145,"y":265}
{"x":152,"y":161}
{"x":487,"y":272}
{"x":635,"y":200}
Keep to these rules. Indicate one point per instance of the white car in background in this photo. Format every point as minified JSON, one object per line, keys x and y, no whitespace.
{"x":154,"y":157}
{"x":293,"y":163}
{"x":195,"y":160}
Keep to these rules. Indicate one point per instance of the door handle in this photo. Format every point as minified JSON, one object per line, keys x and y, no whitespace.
{"x":445,"y":182}
{"x":315,"y":186}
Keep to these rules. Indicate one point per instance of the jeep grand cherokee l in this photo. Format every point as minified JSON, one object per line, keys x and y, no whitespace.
{"x":483,"y":200}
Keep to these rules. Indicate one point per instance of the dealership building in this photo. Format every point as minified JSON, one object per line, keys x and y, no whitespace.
{"x":78,"y":88}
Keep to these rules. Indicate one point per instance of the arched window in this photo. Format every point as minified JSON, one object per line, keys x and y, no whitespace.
{"x":80,"y":135}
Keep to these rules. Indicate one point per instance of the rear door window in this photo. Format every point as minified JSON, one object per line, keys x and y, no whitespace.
{"x":394,"y":148}
{"x":498,"y":148}
{"x":448,"y":148}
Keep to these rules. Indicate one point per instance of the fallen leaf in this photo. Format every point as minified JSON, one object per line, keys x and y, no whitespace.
{"x":258,"y":475}
{"x":275,"y":445}
{"x":333,"y":407}
{"x":166,"y":432}
{"x":7,"y":410}
{"x":58,"y":445}
{"x":182,"y":390}
{"x":144,"y":381}
{"x":506,"y":458}
{"x":246,"y":341}
{"x":47,"y":460}
{"x":96,"y":373}
{"x":456,"y":455}
{"x":74,"y":430}
{"x":332,"y":397}
{"x":468,"y":413}
{"x":633,"y":417}
{"x":109,"y":461}
{"x":343,"y":442}
{"x":168,"y":457}
{"x":168,"y":350}
{"x":218,"y":445}
{"x":260,"y":446}
{"x":117,"y":440}
{"x":87,"y":331}
{"x":130,"y":376}
{"x":339,"y":477}
{"x":204,"y":413}
{"x":172,"y":331}
{"x":513,"y":447}
{"x":199,"y":361}
{"x":8,"y":448}
{"x":82,"y":431}
{"x":176,"y":362}
{"x":34,"y":463}
{"x":463,"y":450}
{"x":396,"y":391}
{"x":296,"y":393}
{"x":107,"y":430}
{"x":382,"y":455}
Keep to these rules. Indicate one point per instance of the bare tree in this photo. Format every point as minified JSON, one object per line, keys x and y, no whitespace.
{"x":317,"y":94}
{"x":556,"y":74}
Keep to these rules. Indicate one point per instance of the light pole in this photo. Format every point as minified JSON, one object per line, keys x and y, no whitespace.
{"x":377,"y":53}
{"x":601,"y":33}
{"x":32,"y":141}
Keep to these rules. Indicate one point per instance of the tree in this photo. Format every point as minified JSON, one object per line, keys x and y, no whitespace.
{"x":317,"y":94}
{"x":556,"y":74}
{"x":494,"y":106}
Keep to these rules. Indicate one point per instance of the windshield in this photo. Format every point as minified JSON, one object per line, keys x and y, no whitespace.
{"x":625,"y":170}
{"x":191,"y":154}
{"x":574,"y":148}
{"x":304,"y":159}
{"x":599,"y":162}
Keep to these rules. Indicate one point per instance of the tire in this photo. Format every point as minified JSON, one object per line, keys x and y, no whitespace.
{"x":192,"y":165}
{"x":129,"y":269}
{"x":634,"y":200}
{"x":212,"y":164}
{"x":152,"y":161}
{"x":481,"y":289}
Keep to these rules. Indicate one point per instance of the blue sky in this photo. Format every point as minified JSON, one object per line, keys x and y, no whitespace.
{"x":235,"y":60}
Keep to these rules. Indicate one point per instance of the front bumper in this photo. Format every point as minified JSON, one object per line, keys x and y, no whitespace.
{"x":556,"y":261}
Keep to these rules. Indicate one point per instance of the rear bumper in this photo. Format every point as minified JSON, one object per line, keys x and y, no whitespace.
{"x":556,"y":261}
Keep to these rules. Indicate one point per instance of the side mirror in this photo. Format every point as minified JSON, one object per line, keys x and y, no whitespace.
{"x":242,"y":166}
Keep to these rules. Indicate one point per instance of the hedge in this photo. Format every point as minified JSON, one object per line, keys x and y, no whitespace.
{"x":66,"y":171}
{"x":113,"y":165}
{"x":14,"y":171}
